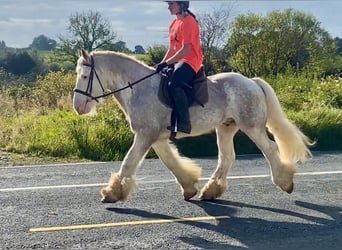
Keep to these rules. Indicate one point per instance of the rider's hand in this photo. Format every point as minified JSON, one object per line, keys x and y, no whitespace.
{"x":161,"y":66}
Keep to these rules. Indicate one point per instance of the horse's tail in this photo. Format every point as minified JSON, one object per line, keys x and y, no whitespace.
{"x":292,"y":143}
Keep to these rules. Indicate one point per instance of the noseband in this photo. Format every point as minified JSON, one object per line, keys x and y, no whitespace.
{"x":89,"y":89}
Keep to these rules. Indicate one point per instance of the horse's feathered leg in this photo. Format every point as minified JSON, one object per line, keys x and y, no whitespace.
{"x":217,"y":183}
{"x":185,"y":170}
{"x":282,"y":173}
{"x":122,"y":184}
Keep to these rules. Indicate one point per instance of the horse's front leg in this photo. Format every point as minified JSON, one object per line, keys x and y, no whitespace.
{"x":122,"y":184}
{"x":186,"y":171}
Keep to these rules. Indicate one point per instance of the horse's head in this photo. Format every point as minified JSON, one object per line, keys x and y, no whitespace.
{"x":88,"y":84}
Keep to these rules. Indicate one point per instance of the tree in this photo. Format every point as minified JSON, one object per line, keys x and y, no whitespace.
{"x":2,"y":45}
{"x":19,"y":63}
{"x":268,"y":45}
{"x":214,"y":32}
{"x":43,"y":43}
{"x":119,"y":46}
{"x":214,"y":27}
{"x":339,"y":45}
{"x":90,"y":31}
{"x":138,"y":49}
{"x":66,"y":51}
{"x":334,"y":65}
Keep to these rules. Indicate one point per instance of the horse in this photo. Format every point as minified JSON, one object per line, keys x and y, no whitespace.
{"x":235,"y":103}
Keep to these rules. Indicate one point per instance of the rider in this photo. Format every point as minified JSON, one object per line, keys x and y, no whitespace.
{"x":185,"y":55}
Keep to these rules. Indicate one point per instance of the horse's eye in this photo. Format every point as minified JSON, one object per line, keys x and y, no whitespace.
{"x":84,"y":77}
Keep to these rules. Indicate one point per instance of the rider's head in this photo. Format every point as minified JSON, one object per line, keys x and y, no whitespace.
{"x":183,"y":5}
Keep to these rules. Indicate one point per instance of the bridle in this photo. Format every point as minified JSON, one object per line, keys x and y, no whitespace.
{"x":105,"y":93}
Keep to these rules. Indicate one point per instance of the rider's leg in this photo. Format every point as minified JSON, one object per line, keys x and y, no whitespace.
{"x":181,"y":79}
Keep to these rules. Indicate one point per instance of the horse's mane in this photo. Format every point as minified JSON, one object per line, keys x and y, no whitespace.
{"x":122,"y":56}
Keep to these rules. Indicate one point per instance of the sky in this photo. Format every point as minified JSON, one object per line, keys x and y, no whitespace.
{"x":138,"y":22}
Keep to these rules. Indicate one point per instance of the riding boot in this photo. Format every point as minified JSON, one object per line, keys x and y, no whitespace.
{"x":182,"y":109}
{"x":172,"y":127}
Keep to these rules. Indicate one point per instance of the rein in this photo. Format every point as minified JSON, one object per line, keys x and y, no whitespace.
{"x":91,"y":78}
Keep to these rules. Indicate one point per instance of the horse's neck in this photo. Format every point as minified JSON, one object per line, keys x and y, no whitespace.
{"x":123,"y":71}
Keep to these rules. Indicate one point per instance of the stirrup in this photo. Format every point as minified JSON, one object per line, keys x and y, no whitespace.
{"x":172,"y":136}
{"x":184,"y":128}
{"x":171,"y":128}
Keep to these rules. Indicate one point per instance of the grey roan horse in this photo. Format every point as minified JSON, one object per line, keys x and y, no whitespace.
{"x":235,"y":102}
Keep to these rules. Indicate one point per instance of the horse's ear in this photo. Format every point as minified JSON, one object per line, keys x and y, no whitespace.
{"x":84,"y":54}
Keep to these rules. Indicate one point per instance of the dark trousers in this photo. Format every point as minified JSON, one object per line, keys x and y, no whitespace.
{"x":180,"y":83}
{"x":182,"y":75}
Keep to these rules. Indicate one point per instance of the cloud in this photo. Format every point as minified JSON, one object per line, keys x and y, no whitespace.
{"x":118,"y":26}
{"x":135,"y":21}
{"x":157,"y":28}
{"x":26,"y":21}
{"x":118,"y":10}
{"x":152,"y":8}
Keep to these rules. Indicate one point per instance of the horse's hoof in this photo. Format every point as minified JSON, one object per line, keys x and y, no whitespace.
{"x":104,"y":200}
{"x":188,"y":195}
{"x":204,"y":197}
{"x":289,"y":190}
{"x":107,"y":195}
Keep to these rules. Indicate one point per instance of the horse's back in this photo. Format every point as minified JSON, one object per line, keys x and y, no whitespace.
{"x":229,"y":78}
{"x":243,"y":98}
{"x":234,"y":83}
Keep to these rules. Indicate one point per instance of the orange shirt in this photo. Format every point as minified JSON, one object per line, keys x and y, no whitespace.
{"x":184,"y":31}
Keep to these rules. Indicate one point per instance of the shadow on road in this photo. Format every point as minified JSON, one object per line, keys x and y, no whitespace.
{"x":258,"y":233}
{"x":254,"y":232}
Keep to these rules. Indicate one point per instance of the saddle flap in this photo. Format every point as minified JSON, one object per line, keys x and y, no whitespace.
{"x":196,"y":96}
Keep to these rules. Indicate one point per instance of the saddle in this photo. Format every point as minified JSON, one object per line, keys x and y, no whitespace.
{"x":197,"y":95}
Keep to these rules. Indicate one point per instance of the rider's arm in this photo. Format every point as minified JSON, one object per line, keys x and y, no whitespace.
{"x":179,"y":54}
{"x":168,"y":54}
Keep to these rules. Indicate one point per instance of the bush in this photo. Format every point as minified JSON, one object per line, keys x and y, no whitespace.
{"x":305,"y":92}
{"x":41,"y":135}
{"x":323,"y":125}
{"x":19,"y":63}
{"x":103,"y":137}
{"x":156,"y":53}
{"x":64,"y":134}
{"x":49,"y":89}
{"x":326,"y":93}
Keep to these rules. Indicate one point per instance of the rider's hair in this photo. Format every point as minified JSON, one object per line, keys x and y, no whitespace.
{"x":185,"y":8}
{"x":191,"y":14}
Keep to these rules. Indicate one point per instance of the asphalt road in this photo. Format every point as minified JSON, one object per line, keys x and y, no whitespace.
{"x":58,"y":206}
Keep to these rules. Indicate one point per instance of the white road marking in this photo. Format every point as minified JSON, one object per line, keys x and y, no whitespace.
{"x":141,"y":181}
{"x":52,"y":187}
{"x":54,"y":165}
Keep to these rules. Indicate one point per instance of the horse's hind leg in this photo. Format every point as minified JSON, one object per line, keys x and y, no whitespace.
{"x":186,"y":171}
{"x":122,"y":184}
{"x":282,"y":173}
{"x":217,"y":183}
